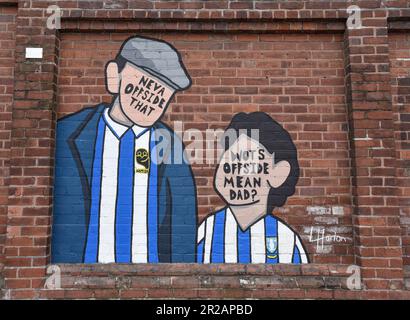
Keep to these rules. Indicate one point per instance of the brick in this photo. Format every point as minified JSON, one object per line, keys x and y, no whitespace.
{"x":343,"y":100}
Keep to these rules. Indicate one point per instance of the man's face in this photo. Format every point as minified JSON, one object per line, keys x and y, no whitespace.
{"x":143,"y":98}
{"x":244,"y":174}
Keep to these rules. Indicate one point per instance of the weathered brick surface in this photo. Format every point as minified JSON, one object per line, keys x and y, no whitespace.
{"x":342,"y":94}
{"x":399,"y":46}
{"x":199,"y":281}
{"x":31,"y":159}
{"x":376,"y":215}
{"x":7,"y":44}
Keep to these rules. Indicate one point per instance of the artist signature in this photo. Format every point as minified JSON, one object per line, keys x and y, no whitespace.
{"x":319,"y":235}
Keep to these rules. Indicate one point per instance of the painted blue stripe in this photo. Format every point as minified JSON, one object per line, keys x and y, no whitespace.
{"x":296,"y":256}
{"x":153,"y":203}
{"x":91,"y":252}
{"x":218,"y":238}
{"x":271,"y":230}
{"x":124,"y":205}
{"x":200,"y":253}
{"x":244,"y":245}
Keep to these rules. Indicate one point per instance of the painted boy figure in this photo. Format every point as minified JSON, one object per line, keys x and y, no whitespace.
{"x":258,"y":171}
{"x":123,"y":191}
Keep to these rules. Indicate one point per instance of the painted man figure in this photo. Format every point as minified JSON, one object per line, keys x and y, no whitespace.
{"x":123,"y":190}
{"x":257,"y":173}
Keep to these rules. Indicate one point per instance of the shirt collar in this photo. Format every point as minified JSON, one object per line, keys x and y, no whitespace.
{"x":229,"y":212}
{"x":139,"y":131}
{"x":119,"y":129}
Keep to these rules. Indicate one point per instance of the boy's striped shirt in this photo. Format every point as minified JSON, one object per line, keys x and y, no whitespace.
{"x":269,"y":240}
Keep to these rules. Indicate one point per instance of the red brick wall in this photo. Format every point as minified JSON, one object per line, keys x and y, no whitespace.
{"x":297,"y":79}
{"x":7,"y":45}
{"x":337,"y":91}
{"x":400,"y":74}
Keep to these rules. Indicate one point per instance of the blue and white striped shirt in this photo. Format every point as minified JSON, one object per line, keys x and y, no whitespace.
{"x":269,"y":240}
{"x":123,"y":215}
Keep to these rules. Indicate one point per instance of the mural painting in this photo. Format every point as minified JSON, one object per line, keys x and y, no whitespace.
{"x":256,"y":174}
{"x":114,"y":199}
{"x":125,"y":193}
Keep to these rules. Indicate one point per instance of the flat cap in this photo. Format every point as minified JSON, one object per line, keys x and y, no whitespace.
{"x":157,"y":58}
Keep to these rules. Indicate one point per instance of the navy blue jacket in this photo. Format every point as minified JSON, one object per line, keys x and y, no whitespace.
{"x":177,"y":213}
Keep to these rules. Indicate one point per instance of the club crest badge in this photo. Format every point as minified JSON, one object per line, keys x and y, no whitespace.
{"x":272,"y":247}
{"x":142,"y":160}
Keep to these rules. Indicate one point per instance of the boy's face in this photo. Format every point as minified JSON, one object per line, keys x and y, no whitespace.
{"x":143,"y":98}
{"x":246,"y":173}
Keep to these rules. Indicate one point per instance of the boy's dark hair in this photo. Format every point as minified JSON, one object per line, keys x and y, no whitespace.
{"x":277,"y":141}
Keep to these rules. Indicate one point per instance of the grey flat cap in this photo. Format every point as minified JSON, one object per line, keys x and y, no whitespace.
{"x":157,"y":58}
